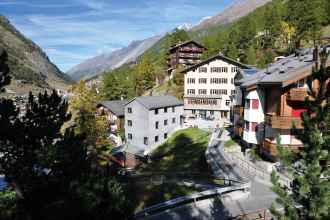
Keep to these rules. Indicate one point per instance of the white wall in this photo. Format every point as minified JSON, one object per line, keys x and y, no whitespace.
{"x":254,"y":115}
{"x":143,"y":125}
{"x":208,"y":86}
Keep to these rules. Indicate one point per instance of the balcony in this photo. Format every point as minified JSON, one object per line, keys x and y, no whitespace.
{"x":238,"y":110}
{"x":270,"y":148}
{"x":297,"y":94}
{"x":283,"y":122}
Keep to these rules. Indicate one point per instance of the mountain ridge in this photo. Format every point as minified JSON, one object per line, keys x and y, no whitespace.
{"x":115,"y":59}
{"x":30,"y":67}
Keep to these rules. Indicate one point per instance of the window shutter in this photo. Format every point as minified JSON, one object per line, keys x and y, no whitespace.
{"x":255,"y":104}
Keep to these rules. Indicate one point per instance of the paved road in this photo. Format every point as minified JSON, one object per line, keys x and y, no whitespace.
{"x":233,"y":204}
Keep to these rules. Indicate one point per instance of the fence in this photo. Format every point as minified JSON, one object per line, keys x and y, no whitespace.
{"x":254,"y":170}
{"x":190,"y":199}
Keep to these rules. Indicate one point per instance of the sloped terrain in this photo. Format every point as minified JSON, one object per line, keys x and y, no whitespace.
{"x":30,"y":67}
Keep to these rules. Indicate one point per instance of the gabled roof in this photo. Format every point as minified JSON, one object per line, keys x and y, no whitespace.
{"x":116,"y":107}
{"x":218,"y":56}
{"x":185,"y":43}
{"x":154,"y":102}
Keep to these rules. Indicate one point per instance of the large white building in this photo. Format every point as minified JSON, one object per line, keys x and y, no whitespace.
{"x":209,"y":88}
{"x":150,"y":120}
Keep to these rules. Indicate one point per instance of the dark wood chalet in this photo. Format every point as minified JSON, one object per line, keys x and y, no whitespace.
{"x":187,"y":54}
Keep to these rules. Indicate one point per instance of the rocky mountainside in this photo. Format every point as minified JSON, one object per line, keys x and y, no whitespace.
{"x":237,"y":10}
{"x":104,"y":62}
{"x":30,"y":67}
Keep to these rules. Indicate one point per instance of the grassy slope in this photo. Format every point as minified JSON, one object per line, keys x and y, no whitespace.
{"x":184,"y":151}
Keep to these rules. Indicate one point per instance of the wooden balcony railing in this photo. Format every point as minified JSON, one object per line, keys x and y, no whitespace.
{"x":297,"y":94}
{"x":271,"y":148}
{"x":238,"y":110}
{"x":283,"y":122}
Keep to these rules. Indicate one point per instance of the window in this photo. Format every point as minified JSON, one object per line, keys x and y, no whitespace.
{"x":255,"y":103}
{"x":129,"y":136}
{"x":191,"y":91}
{"x":234,"y":69}
{"x":233,"y":92}
{"x":202,"y":102}
{"x":202,"y":69}
{"x":156,"y":138}
{"x":156,"y":124}
{"x":191,"y":80}
{"x":246,"y":125}
{"x":219,"y":69}
{"x":129,"y":123}
{"x":202,"y":91}
{"x":301,"y":83}
{"x":219,"y":81}
{"x":165,"y":122}
{"x":165,"y":135}
{"x":211,"y":112}
{"x":165,"y":110}
{"x":193,"y":111}
{"x":173,"y":109}
{"x":247,"y":103}
{"x":227,"y":102}
{"x":232,"y":80}
{"x":173,"y":120}
{"x":202,"y":80}
{"x":129,"y":110}
{"x":145,"y":140}
{"x":254,"y":126}
{"x":218,"y":92}
{"x":156,"y":111}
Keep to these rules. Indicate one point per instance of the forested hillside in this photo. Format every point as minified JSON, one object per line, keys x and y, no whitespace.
{"x":277,"y":28}
{"x":30,"y":67}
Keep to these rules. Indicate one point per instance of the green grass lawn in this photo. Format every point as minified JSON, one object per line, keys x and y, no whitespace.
{"x":230,"y":143}
{"x":184,"y":151}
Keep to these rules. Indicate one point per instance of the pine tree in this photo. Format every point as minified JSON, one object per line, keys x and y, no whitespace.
{"x":145,"y":76}
{"x":4,"y":69}
{"x":272,"y":25}
{"x":307,"y":16}
{"x":251,"y":55}
{"x":310,"y":196}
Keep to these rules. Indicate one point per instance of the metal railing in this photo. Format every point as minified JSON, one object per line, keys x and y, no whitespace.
{"x":190,"y":199}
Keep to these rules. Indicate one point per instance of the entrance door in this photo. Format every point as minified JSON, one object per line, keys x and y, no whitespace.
{"x":202,"y":114}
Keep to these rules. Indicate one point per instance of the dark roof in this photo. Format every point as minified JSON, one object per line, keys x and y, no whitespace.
{"x":128,"y":148}
{"x":284,"y":71}
{"x":116,"y":107}
{"x":185,"y":43}
{"x":154,"y":102}
{"x":218,"y":56}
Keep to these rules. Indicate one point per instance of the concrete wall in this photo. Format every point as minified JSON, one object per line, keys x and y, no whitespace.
{"x":143,"y":125}
{"x":162,"y":129}
{"x":140,"y":123}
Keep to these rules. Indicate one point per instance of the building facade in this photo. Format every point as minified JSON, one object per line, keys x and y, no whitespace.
{"x":272,"y":101}
{"x":150,"y":120}
{"x":209,"y":88}
{"x":187,"y":54}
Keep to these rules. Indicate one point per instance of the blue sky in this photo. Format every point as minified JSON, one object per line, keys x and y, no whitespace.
{"x":70,"y":31}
